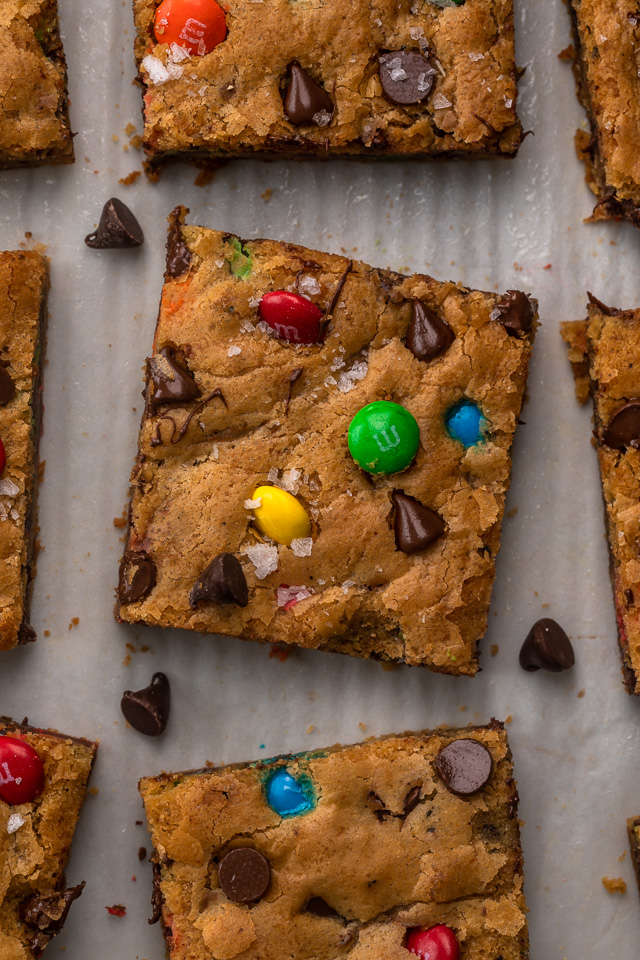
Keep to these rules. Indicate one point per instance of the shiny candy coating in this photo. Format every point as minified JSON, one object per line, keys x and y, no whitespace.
{"x":280,"y":516}
{"x":21,"y":771}
{"x":197,"y":25}
{"x":383,"y":437}
{"x":436,"y":943}
{"x":291,"y":316}
{"x":466,"y":423}
{"x":287,"y":796}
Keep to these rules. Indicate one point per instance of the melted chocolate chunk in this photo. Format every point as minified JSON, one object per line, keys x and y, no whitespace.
{"x":244,"y":875}
{"x":623,"y":429}
{"x":412,"y":800}
{"x":320,"y":908}
{"x":171,"y":382}
{"x":428,"y":336}
{"x":223,"y":581}
{"x":147,"y":710}
{"x":47,"y":913}
{"x":515,"y":312}
{"x":305,"y":101}
{"x":7,"y":387}
{"x":118,"y":228}
{"x":415,"y":526}
{"x":464,"y":766}
{"x":156,"y":896}
{"x":178,"y":253}
{"x":406,"y":76}
{"x":602,"y":307}
{"x":137,"y":577}
{"x":547,"y":647}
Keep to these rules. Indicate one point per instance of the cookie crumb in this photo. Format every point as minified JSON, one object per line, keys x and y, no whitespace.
{"x":614,"y":884}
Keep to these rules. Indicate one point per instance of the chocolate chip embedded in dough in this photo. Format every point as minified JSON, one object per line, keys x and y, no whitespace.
{"x":428,"y":335}
{"x":406,"y":76}
{"x":415,"y":526}
{"x":515,"y":312}
{"x":305,"y":101}
{"x":623,"y":429}
{"x":464,"y":766}
{"x":223,"y":581}
{"x":244,"y":875}
{"x":171,"y":382}
{"x":7,"y":387}
{"x":137,"y":577}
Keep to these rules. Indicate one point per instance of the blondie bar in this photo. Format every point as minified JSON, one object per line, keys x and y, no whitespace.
{"x":43,"y":780}
{"x":324,"y":453}
{"x":23,"y":288}
{"x":420,"y":78}
{"x":34,"y":119}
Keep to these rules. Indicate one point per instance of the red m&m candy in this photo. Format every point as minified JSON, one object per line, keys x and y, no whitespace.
{"x":21,"y":771}
{"x":436,"y":943}
{"x":196,"y":25}
{"x":291,"y":316}
{"x":3,"y":457}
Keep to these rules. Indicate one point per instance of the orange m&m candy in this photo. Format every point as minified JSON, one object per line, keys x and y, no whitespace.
{"x":196,"y":25}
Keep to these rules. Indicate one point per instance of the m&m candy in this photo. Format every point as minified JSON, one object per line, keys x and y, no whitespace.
{"x":279,"y":515}
{"x":436,"y":943}
{"x":383,"y":437}
{"x":466,"y":423}
{"x":291,"y":317}
{"x":197,"y":25}
{"x":287,"y":796}
{"x":3,"y":457}
{"x":21,"y":771}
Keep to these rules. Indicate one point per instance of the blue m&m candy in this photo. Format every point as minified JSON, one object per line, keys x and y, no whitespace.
{"x":466,"y":423}
{"x":287,"y":796}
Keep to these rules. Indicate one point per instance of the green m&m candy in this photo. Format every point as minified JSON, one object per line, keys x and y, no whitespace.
{"x":383,"y":437}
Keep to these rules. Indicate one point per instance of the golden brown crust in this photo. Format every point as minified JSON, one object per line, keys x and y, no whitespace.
{"x":574,"y":334}
{"x":23,"y":287}
{"x":33,"y":857}
{"x":229,"y":103}
{"x":449,"y":860}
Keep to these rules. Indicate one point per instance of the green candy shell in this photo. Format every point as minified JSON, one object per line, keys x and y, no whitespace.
{"x":383,"y":437}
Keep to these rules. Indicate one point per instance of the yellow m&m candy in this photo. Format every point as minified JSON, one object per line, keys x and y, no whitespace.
{"x":280,"y":516}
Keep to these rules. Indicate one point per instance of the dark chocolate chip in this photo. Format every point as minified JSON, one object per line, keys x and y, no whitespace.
{"x":172,"y":383}
{"x":548,"y":647}
{"x":26,"y":634}
{"x":142,"y":853}
{"x":223,"y":581}
{"x":47,"y":913}
{"x":415,"y":525}
{"x":305,"y":101}
{"x":178,"y":258}
{"x":602,"y":307}
{"x":147,"y":710}
{"x":515,"y":312}
{"x":464,"y":766}
{"x":406,"y":76}
{"x":412,"y":799}
{"x":137,"y":577}
{"x":156,"y":895}
{"x":244,"y":875}
{"x":378,"y":806}
{"x":117,"y":228}
{"x":428,"y":336}
{"x":320,"y":908}
{"x":623,"y":429}
{"x":7,"y":387}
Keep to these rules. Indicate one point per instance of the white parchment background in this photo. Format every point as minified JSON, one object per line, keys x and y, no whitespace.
{"x":495,"y":225}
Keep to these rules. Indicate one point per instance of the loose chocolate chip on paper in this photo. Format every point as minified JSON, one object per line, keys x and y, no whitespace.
{"x":223,"y":581}
{"x":244,"y":875}
{"x":547,"y":647}
{"x":464,"y":766}
{"x":305,"y":101}
{"x":515,"y":312}
{"x":118,"y":228}
{"x":7,"y":387}
{"x":623,"y":429}
{"x":427,"y":336}
{"x":137,"y":577}
{"x":147,"y":710}
{"x":415,"y":526}
{"x":172,"y":383}
{"x":406,"y":76}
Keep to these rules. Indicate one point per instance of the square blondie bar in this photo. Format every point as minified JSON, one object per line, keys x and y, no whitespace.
{"x":256,"y":508}
{"x":36,"y":832}
{"x":411,"y":79}
{"x":34,"y":118}
{"x":356,"y":851}
{"x":23,"y":289}
{"x":604,"y":351}
{"x":606,"y":40}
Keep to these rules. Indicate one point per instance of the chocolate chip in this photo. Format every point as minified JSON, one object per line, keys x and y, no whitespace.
{"x":117,"y":228}
{"x":147,"y":710}
{"x":428,"y":336}
{"x":415,"y":525}
{"x":305,"y":101}
{"x":223,"y":581}
{"x":178,"y":253}
{"x":7,"y":387}
{"x":406,"y":76}
{"x":623,"y":429}
{"x":320,"y":908}
{"x":412,"y":799}
{"x":515,"y":312}
{"x":548,"y":647}
{"x":464,"y":766}
{"x":47,"y":913}
{"x":137,"y":577}
{"x":172,"y":383}
{"x":142,"y":853}
{"x":244,"y":875}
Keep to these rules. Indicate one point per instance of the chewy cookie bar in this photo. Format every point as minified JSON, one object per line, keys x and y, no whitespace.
{"x":354,"y":851}
{"x":34,"y":119}
{"x":633,"y":828}
{"x":419,"y":78}
{"x":43,"y":780}
{"x":23,"y":288}
{"x":325,"y":452}
{"x":605,"y":353}
{"x":606,"y":38}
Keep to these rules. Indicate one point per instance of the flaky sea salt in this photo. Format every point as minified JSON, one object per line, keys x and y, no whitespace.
{"x":177,"y":53}
{"x":264,"y":557}
{"x":274,"y":476}
{"x":263,"y":326}
{"x":349,"y":378}
{"x":398,"y":74}
{"x":302,"y":546}
{"x":291,"y":480}
{"x":233,"y":351}
{"x":156,"y":71}
{"x":346,"y":584}
{"x":440,"y":102}
{"x":289,"y":596}
{"x":219,"y":263}
{"x":330,"y":381}
{"x":416,"y":32}
{"x":252,"y":504}
{"x":308,"y":285}
{"x":322,"y":118}
{"x":476,"y":56}
{"x":14,"y":822}
{"x":214,"y":451}
{"x":253,"y":303}
{"x":8,"y":488}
